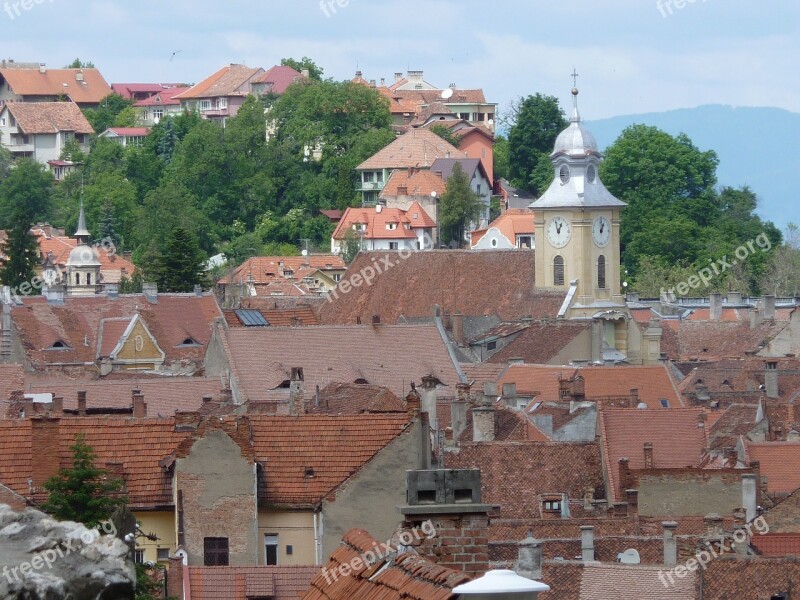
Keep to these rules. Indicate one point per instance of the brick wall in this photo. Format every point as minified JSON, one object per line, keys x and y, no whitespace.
{"x":44,"y":449}
{"x":461,"y":541}
{"x":11,"y":498}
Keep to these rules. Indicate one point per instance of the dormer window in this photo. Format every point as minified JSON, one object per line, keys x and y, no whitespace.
{"x":563,"y":174}
{"x":391,"y":226}
{"x":59,"y":345}
{"x":188,"y":342}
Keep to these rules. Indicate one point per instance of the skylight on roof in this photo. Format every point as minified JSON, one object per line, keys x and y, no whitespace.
{"x":251,"y":318}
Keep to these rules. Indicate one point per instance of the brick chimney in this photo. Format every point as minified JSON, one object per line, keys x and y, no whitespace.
{"x":634,"y":397}
{"x":715,"y":307}
{"x":44,"y":445}
{"x":413,"y":401}
{"x":58,"y":405}
{"x":670,"y":543}
{"x":458,"y":328}
{"x":648,"y":455}
{"x":483,"y":416}
{"x":139,"y":405}
{"x":451,"y":500}
{"x":587,"y":543}
{"x":756,"y":318}
{"x":82,"y":403}
{"x":297,"y":403}
{"x":771,"y":379}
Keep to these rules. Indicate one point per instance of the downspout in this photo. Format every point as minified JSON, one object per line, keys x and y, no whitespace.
{"x":316,"y":540}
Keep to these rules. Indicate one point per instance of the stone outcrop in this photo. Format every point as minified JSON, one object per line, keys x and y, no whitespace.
{"x":44,"y":559}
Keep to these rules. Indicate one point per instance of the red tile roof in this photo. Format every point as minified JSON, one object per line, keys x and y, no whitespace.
{"x":266,"y":269}
{"x":654,"y":382}
{"x":777,"y":544}
{"x":49,"y":117}
{"x":276,"y":317}
{"x":389,"y":355}
{"x":130,"y":131}
{"x":77,"y":323}
{"x":51,"y":83}
{"x":677,"y":440}
{"x":541,"y":342}
{"x":278,"y":78}
{"x":391,"y":577}
{"x":245,"y":583}
{"x":513,"y":222}
{"x":12,"y":379}
{"x":416,"y":183}
{"x":715,"y":340}
{"x":335,"y":447}
{"x":164,"y":395}
{"x":129,"y":90}
{"x":162,"y":98}
{"x":474,"y":283}
{"x":732,"y":576}
{"x":779,"y":464}
{"x":515,"y":474}
{"x":355,"y":398}
{"x":612,"y":582}
{"x":375,"y":224}
{"x":232,"y":80}
{"x":417,"y":148}
{"x":58,"y":247}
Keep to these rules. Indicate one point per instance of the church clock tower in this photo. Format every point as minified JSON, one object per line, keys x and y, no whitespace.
{"x":577,"y":227}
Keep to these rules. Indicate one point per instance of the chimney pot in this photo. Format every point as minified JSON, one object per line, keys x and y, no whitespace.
{"x":82,"y":403}
{"x":648,"y":455}
{"x":769,"y":307}
{"x":634,"y":397}
{"x":58,"y":405}
{"x":715,"y":310}
{"x":771,"y":380}
{"x":587,"y":543}
{"x":529,"y":563}
{"x":670,"y":543}
{"x":139,"y":405}
{"x":458,"y":328}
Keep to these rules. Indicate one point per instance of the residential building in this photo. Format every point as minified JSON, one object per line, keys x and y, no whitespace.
{"x":262,"y":362}
{"x":220,"y":95}
{"x":476,"y":141}
{"x":141,"y":91}
{"x":127,"y":136}
{"x":276,"y":80}
{"x":41,"y":130}
{"x":476,"y":175}
{"x":161,"y":104}
{"x":512,"y":229}
{"x":270,"y":276}
{"x":36,"y":83}
{"x":406,"y":187}
{"x":382,"y":228}
{"x":62,"y":169}
{"x":417,"y":149}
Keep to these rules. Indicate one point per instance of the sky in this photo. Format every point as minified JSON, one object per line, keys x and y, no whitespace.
{"x":632,"y":56}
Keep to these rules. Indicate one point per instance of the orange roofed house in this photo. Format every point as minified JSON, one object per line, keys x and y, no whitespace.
{"x":382,"y":228}
{"x":26,"y":82}
{"x":513,"y":229}
{"x":220,"y":95}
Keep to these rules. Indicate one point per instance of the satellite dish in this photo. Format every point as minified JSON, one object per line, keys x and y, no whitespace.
{"x":433,"y":194}
{"x":304,"y":252}
{"x":629,"y":557}
{"x":447,"y":94}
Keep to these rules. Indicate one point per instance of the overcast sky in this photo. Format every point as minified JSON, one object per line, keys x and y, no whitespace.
{"x":632,"y":56}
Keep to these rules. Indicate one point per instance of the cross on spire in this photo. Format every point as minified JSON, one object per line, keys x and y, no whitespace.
{"x":574,"y":77}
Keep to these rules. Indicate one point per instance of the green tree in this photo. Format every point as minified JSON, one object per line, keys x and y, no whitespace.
{"x":79,"y":64}
{"x":83,"y":493}
{"x":458,"y":207}
{"x":5,"y":163}
{"x":108,"y":229}
{"x":351,"y":246}
{"x":782,"y":275}
{"x":26,"y":193}
{"x":23,"y":255}
{"x":446,"y":134}
{"x":538,"y":121}
{"x":181,"y":263}
{"x":501,"y":158}
{"x":314,"y":71}
{"x":103,"y":117}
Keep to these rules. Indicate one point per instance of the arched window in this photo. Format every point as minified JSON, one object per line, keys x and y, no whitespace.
{"x":88,"y":279}
{"x":558,"y":270}
{"x":77,"y":278}
{"x":601,"y":272}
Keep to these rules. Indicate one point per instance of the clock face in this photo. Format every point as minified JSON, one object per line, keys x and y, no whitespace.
{"x":558,"y":232}
{"x":601,"y":231}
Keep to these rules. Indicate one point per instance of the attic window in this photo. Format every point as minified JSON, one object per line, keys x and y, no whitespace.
{"x":361,"y":380}
{"x":664,"y":403}
{"x":60,"y":345}
{"x":309,"y":472}
{"x":552,"y":505}
{"x":188,"y":342}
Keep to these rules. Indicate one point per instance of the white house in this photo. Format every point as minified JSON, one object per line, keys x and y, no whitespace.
{"x":381,"y":228}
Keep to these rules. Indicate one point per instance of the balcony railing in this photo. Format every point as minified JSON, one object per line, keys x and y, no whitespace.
{"x":367,"y":186}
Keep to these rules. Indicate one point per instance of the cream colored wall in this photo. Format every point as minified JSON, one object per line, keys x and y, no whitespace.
{"x":163,"y":525}
{"x":149,"y":351}
{"x":293,"y":528}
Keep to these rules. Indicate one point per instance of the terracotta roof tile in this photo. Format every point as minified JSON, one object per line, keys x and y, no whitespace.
{"x":266,"y":269}
{"x":49,"y":117}
{"x":276,"y":317}
{"x":58,"y":247}
{"x":278,"y":78}
{"x":12,"y":379}
{"x":541,"y":342}
{"x":715,"y":340}
{"x":677,"y":440}
{"x":416,"y":183}
{"x":355,"y":398}
{"x":51,"y":83}
{"x":515,"y":474}
{"x":244,"y":583}
{"x":779,"y":464}
{"x":389,"y":355}
{"x":611,"y":582}
{"x":777,"y":544}
{"x":474,"y":283}
{"x":393,"y":577}
{"x":376,"y":224}
{"x":731,"y":577}
{"x":163,"y":98}
{"x":77,"y":323}
{"x":731,"y":424}
{"x":231,"y":80}
{"x":513,"y":222}
{"x":417,"y":148}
